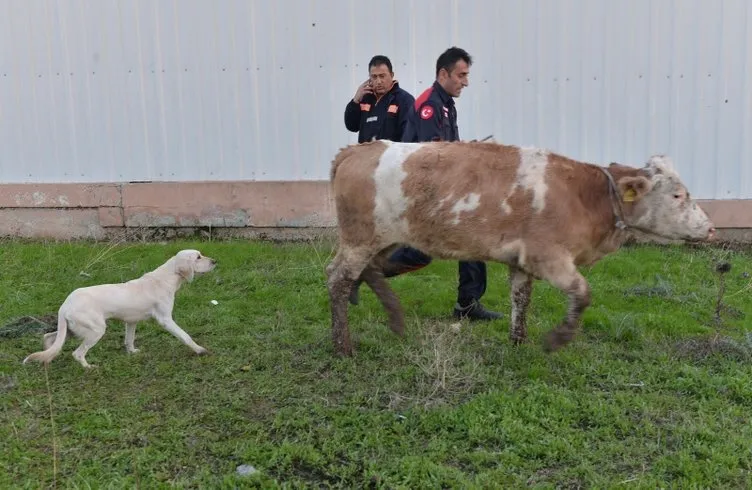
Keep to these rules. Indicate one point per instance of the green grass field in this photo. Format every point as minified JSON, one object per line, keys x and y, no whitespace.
{"x":652,"y":393}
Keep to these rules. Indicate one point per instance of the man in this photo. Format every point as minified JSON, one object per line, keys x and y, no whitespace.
{"x":434,"y":118}
{"x":380,"y":107}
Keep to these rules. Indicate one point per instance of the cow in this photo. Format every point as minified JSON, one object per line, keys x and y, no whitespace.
{"x":539,"y":212}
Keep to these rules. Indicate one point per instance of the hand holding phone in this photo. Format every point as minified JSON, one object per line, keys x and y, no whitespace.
{"x":363,"y":89}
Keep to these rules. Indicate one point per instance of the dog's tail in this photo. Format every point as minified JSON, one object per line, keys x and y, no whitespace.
{"x":52,"y":352}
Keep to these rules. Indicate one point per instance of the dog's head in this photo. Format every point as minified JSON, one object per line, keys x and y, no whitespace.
{"x":190,"y":262}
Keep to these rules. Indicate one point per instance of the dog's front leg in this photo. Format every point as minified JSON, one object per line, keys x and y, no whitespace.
{"x":169,"y":324}
{"x":130,"y":337}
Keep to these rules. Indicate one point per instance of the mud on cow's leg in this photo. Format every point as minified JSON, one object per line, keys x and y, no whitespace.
{"x":337,"y":282}
{"x":521,"y":288}
{"x":579,"y":299}
{"x":341,"y":274}
{"x":563,"y":275}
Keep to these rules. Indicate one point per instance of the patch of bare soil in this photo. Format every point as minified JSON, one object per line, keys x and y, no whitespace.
{"x":701,"y":348}
{"x":27,"y":325}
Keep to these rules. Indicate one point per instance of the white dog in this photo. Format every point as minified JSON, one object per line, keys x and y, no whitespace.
{"x":152,"y":295}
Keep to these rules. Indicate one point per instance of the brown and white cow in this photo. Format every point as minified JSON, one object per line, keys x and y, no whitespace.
{"x":540,"y":213}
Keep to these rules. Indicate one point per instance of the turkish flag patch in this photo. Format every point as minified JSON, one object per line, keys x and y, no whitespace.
{"x":392,"y":109}
{"x":426,"y":112}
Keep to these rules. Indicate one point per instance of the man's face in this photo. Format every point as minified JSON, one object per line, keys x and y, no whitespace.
{"x":381,"y":79}
{"x":455,"y":81}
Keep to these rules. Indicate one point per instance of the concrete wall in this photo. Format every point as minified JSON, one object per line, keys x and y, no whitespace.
{"x":102,"y":210}
{"x":249,"y":209}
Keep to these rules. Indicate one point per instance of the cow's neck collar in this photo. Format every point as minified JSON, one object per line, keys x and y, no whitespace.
{"x":613,"y":192}
{"x":619,"y":216}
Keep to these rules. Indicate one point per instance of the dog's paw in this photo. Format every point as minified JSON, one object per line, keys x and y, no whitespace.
{"x":133,"y":351}
{"x":202,"y":351}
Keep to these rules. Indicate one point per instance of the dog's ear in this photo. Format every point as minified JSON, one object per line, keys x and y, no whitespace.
{"x":184,"y":268}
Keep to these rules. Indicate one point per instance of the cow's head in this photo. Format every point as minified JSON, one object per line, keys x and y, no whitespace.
{"x":659,"y":203}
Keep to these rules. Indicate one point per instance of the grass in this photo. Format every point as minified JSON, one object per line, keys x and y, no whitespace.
{"x":652,"y":393}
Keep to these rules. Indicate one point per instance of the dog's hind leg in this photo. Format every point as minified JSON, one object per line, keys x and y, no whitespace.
{"x":90,"y":333}
{"x":169,"y":324}
{"x":130,"y":337}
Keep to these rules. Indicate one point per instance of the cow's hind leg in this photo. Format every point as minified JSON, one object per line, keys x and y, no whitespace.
{"x":373,"y":275}
{"x":521,"y":289}
{"x":341,"y":275}
{"x":563,"y":275}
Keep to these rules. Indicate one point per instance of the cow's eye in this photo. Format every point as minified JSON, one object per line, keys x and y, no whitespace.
{"x":677,"y":196}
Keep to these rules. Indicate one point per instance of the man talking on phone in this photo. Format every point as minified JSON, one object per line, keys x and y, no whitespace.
{"x":379,"y":109}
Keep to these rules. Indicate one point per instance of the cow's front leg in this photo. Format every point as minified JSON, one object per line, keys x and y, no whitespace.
{"x":579,"y":299}
{"x":563,"y":274}
{"x":521,"y":288}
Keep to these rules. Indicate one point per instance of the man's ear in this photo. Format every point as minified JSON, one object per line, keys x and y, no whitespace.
{"x":184,"y":268}
{"x":632,"y":189}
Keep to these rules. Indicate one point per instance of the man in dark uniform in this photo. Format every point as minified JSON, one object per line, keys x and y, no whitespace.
{"x":434,"y":118}
{"x":380,"y":107}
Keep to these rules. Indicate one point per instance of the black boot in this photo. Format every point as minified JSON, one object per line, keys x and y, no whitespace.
{"x":354,"y":296}
{"x":475,"y":311}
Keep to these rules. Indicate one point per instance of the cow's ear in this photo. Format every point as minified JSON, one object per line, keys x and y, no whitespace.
{"x":633,"y":188}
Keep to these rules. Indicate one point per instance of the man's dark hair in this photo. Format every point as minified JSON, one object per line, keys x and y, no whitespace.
{"x":380,"y":59}
{"x":450,"y":57}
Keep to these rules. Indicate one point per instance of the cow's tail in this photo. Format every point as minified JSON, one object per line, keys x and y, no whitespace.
{"x":52,"y":352}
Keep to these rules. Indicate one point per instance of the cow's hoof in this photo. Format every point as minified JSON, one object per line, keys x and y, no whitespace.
{"x":550,"y":346}
{"x":397,"y":328}
{"x":556,"y":339}
{"x":517,"y":339}
{"x":344,"y":350}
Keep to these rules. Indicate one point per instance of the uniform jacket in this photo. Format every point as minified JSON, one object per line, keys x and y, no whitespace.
{"x":433,"y":118}
{"x":383,"y":118}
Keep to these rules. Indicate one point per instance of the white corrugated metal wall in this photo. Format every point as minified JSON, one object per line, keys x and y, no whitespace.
{"x":107,"y":90}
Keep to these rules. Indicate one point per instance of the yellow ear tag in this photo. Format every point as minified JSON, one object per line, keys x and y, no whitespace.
{"x":629,"y":195}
